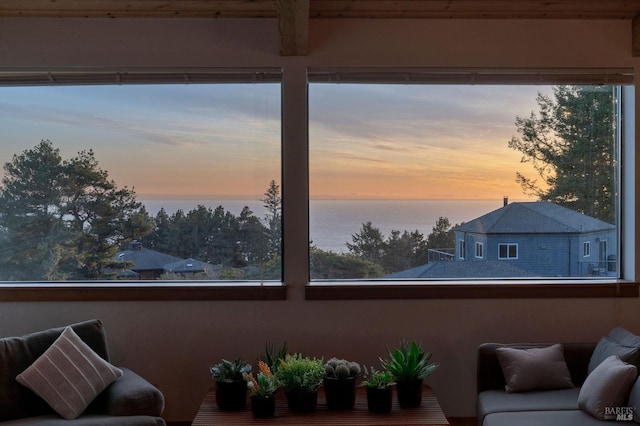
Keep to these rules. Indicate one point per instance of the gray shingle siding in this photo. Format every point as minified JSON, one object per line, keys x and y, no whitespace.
{"x":549,"y":239}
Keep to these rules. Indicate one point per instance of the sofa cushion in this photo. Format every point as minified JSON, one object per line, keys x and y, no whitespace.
{"x":88,"y":420}
{"x":607,"y":386}
{"x":624,"y":337}
{"x":634,"y":400}
{"x":546,"y":418}
{"x":69,"y":375}
{"x":607,"y":347}
{"x":495,"y":401}
{"x":534,"y":369}
{"x":18,"y":353}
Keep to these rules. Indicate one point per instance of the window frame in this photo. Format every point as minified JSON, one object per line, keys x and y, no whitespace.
{"x":294,"y":84}
{"x":120,"y":290}
{"x":586,"y":249}
{"x":479,"y":250}
{"x":519,"y":288}
{"x":508,"y":248}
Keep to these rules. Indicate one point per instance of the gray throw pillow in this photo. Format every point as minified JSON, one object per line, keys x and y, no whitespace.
{"x":634,"y":401}
{"x":624,"y":337}
{"x":607,"y":388}
{"x":607,"y":347}
{"x":534,"y":369}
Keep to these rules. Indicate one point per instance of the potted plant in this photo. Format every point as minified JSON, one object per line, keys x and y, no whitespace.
{"x":300,"y":377}
{"x":262,"y":388}
{"x":409,"y":365}
{"x":231,"y":386}
{"x":379,"y":385}
{"x":340,"y":383}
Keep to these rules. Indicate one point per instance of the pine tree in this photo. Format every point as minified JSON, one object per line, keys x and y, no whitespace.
{"x":571,"y":144}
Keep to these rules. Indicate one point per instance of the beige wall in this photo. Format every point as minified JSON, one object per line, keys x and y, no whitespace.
{"x":174,"y":343}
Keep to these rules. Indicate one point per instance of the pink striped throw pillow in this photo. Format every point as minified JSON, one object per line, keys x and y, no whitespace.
{"x":69,"y":375}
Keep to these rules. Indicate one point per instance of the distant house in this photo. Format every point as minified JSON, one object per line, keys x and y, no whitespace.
{"x":147,"y":264}
{"x":543,"y":238}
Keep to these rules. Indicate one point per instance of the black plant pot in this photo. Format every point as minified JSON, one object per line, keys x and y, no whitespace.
{"x":263,"y":406}
{"x":231,"y":396}
{"x":379,"y":400}
{"x":340,"y":393}
{"x":301,"y":402}
{"x":409,"y":393}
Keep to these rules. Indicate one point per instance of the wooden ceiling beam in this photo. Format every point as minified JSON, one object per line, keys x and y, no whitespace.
{"x":293,"y":26}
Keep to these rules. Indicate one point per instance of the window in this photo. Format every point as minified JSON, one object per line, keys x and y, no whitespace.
{"x":132,"y":176}
{"x":462,"y":249}
{"x":404,"y":167}
{"x":508,"y":251}
{"x":586,"y":249}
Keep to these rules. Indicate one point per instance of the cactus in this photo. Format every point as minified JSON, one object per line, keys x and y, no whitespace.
{"x":341,"y":369}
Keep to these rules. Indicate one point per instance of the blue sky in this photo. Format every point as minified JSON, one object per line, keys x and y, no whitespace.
{"x":223,"y":141}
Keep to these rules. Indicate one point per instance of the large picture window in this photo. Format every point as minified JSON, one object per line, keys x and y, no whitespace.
{"x":403,"y":174}
{"x":141,"y":177}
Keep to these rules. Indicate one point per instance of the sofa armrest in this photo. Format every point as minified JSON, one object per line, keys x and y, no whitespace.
{"x":132,"y":395}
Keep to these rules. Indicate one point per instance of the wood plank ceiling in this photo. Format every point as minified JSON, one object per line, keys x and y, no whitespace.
{"x":293,"y":15}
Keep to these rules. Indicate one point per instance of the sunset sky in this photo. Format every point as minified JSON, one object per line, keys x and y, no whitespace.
{"x":223,"y":141}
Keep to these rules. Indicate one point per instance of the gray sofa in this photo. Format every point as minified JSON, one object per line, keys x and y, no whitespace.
{"x":130,"y":400}
{"x":555,"y":407}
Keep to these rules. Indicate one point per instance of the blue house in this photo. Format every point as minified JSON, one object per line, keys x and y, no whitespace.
{"x":543,"y":238}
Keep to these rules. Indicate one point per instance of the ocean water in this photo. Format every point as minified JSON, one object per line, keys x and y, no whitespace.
{"x":333,"y":222}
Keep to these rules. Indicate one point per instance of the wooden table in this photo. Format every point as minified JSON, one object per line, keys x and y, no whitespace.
{"x":429,"y":413}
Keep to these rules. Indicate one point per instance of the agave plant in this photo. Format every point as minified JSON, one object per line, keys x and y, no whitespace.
{"x":408,"y":362}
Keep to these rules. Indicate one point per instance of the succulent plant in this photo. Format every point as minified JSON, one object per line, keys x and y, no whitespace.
{"x":341,"y":369}
{"x":230,"y":371}
{"x":408,"y":362}
{"x":377,"y":379}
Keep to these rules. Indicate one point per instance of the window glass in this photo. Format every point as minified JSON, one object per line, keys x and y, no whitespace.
{"x":140,"y":182}
{"x":402,"y":176}
{"x":479,"y":249}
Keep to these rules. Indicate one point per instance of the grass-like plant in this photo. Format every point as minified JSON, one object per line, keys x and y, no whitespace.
{"x":297,"y":373}
{"x":408,"y":362}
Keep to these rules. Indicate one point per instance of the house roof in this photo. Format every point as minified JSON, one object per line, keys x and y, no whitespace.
{"x":145,"y":259}
{"x":186,"y":265}
{"x":462,"y":270}
{"x":534,"y":217}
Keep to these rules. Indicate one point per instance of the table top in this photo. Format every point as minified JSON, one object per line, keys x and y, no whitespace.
{"x":428,"y":413}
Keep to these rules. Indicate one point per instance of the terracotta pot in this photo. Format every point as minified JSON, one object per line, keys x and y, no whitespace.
{"x":231,"y":396}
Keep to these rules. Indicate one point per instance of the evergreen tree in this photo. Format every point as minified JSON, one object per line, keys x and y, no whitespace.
{"x":441,"y":236}
{"x":273,"y":204}
{"x":570,"y":142}
{"x":368,"y":244}
{"x":62,"y":219}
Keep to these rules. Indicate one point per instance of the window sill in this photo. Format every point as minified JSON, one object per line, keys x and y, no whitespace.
{"x":466,"y":290}
{"x":128,"y":291}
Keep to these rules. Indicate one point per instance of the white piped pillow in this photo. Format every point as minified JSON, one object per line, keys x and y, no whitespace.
{"x":69,"y":375}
